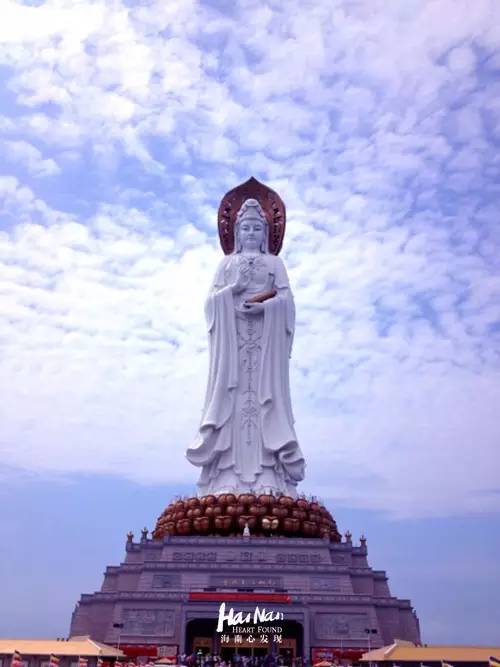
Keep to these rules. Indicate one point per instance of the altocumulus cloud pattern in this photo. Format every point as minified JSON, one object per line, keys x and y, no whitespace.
{"x":121,"y":126}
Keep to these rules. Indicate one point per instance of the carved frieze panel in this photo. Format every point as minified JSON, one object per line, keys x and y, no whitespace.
{"x":165,"y":580}
{"x":333,"y":626}
{"x":247,"y":557}
{"x":148,"y":622}
{"x":194,"y":556}
{"x":298,"y":559}
{"x":325,"y":584}
{"x":246,"y":582}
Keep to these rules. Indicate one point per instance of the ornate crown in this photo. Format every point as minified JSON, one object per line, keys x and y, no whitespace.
{"x":271,"y":203}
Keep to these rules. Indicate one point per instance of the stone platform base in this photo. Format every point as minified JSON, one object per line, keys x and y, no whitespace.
{"x":168,"y":591}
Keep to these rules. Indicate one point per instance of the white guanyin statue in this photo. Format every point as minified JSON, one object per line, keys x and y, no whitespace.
{"x":246,"y":440}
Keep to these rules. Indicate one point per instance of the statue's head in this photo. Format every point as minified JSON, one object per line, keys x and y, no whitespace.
{"x":250,"y":230}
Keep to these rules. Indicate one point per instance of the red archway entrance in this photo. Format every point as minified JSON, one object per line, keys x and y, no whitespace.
{"x":202,"y":638}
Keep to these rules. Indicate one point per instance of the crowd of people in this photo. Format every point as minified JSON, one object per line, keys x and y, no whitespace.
{"x":238,"y":660}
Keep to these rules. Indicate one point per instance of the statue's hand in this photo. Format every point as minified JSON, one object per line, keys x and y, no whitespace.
{"x":241,"y":283}
{"x":253,"y":308}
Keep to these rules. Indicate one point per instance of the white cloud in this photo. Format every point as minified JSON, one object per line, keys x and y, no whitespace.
{"x":105,"y":343}
{"x":24,"y":153}
{"x":373,"y":123}
{"x":462,"y":60}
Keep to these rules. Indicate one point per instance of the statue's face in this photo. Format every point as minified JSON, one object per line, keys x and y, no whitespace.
{"x":251,"y":233}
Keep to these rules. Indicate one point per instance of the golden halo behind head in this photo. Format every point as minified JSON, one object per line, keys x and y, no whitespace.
{"x":271,"y":203}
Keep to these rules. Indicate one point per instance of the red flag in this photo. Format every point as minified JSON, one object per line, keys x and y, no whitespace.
{"x":17,"y":660}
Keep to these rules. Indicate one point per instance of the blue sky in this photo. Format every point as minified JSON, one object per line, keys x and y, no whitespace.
{"x":121,"y":126}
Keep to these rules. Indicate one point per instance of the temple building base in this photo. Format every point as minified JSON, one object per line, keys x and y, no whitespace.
{"x":168,"y":591}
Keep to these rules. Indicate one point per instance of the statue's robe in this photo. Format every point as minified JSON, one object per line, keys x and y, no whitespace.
{"x":246,"y":439}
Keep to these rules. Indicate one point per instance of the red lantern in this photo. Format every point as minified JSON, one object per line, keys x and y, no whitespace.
{"x":184,"y":526}
{"x":266,"y":499}
{"x":245,"y":519}
{"x":280,"y":512}
{"x":223,"y":523}
{"x":235,"y":510}
{"x":246,"y":499}
{"x":257,"y":510}
{"x":202,"y":524}
{"x":310,"y":529}
{"x":291,"y":525}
